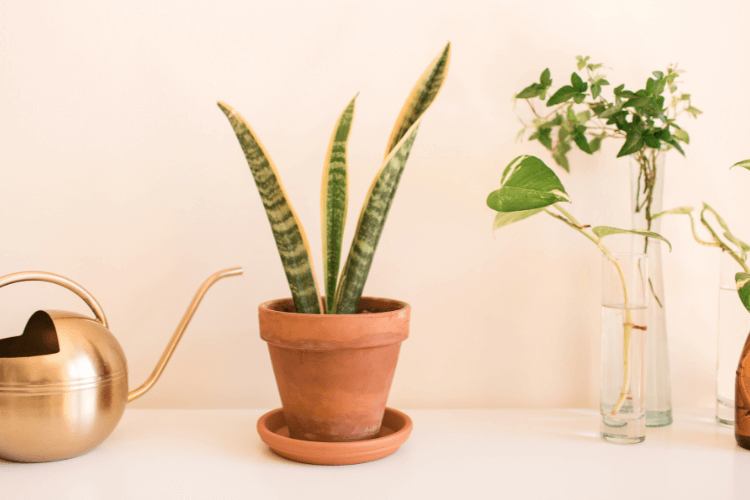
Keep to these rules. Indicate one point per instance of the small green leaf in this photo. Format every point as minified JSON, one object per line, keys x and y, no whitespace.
{"x":743,"y":163}
{"x":595,"y":144}
{"x":527,"y":183}
{"x":505,"y":218}
{"x":602,"y":231}
{"x":681,"y":135}
{"x":651,"y":141}
{"x":676,"y":145}
{"x":544,"y":79}
{"x":743,"y":288}
{"x":533,"y":90}
{"x":562,"y":160}
{"x":612,"y":110}
{"x":637,"y":102}
{"x":582,"y":62}
{"x":564,"y":93}
{"x":658,"y":75}
{"x":576,"y":81}
{"x":694,"y":112}
{"x":633,"y":143}
{"x":595,"y":90}
{"x":545,"y":138}
{"x":583,"y":116}
{"x":594,"y":67}
{"x":580,"y":139}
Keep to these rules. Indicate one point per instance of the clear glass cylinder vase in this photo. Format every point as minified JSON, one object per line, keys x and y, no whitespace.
{"x":625,"y":329}
{"x":647,"y":194}
{"x":734,"y":325}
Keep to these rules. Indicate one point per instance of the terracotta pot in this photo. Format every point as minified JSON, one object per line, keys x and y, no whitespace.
{"x":334,"y":371}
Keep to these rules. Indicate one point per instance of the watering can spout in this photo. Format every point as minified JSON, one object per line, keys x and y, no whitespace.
{"x":149,"y":383}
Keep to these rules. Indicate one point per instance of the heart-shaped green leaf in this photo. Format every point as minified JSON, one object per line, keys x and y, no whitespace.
{"x":602,"y":231}
{"x":527,"y":183}
{"x":743,"y":288}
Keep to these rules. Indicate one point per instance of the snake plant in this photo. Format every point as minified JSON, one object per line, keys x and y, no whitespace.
{"x":342,"y":292}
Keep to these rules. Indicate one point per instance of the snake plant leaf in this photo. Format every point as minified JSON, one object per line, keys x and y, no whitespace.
{"x":383,"y":189}
{"x":684,"y":210}
{"x":286,"y":227}
{"x":370,"y":226}
{"x":602,"y":231}
{"x":743,"y":288}
{"x":333,"y":201}
{"x":421,"y":96}
{"x":503,"y":219}
{"x":527,"y":183}
{"x":743,"y":163}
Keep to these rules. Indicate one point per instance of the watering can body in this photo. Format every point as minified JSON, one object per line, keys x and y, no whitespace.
{"x":64,"y":381}
{"x":62,"y":404}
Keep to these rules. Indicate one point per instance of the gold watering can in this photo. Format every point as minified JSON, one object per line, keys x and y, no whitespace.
{"x":64,"y":381}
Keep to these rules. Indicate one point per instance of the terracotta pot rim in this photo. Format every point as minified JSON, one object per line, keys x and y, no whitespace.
{"x":326,"y":332}
{"x":266,"y":308}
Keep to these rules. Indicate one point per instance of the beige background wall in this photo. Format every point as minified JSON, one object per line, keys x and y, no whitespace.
{"x":119,"y":171}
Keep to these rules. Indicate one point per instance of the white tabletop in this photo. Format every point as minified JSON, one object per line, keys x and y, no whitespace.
{"x":454,"y":454}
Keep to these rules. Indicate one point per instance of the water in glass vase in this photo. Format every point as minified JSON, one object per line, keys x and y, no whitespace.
{"x":628,"y":423}
{"x":734,"y":325}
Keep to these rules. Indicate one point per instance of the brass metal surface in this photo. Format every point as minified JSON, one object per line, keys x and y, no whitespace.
{"x":64,"y":381}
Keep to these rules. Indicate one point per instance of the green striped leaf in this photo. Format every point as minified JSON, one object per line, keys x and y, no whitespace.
{"x":333,"y":201}
{"x":743,"y":288}
{"x":743,"y":163}
{"x":286,"y":227}
{"x":383,"y":189}
{"x":420,"y":98}
{"x":370,"y":226}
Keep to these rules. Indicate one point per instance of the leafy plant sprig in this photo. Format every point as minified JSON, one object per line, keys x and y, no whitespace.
{"x":580,"y":114}
{"x":342,"y":297}
{"x":529,"y":187}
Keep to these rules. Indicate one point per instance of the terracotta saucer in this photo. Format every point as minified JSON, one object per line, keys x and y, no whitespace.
{"x":393,"y":433}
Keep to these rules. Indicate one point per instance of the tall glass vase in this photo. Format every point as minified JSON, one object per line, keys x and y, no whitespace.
{"x":647,"y":193}
{"x":734,"y":325}
{"x":625,"y":329}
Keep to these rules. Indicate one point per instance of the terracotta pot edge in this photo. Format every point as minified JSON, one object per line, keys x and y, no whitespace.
{"x":405,"y":307}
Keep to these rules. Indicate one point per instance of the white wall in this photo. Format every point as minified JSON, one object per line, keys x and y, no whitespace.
{"x":119,"y":171}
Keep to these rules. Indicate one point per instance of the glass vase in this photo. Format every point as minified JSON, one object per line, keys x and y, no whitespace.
{"x":625,"y":329}
{"x":647,"y":193}
{"x":734,"y":325}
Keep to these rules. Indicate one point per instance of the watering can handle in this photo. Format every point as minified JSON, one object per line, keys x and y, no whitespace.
{"x":63,"y":282}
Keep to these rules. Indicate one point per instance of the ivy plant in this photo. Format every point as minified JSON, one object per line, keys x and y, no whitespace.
{"x":580,"y":114}
{"x":342,"y":292}
{"x":529,"y":187}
